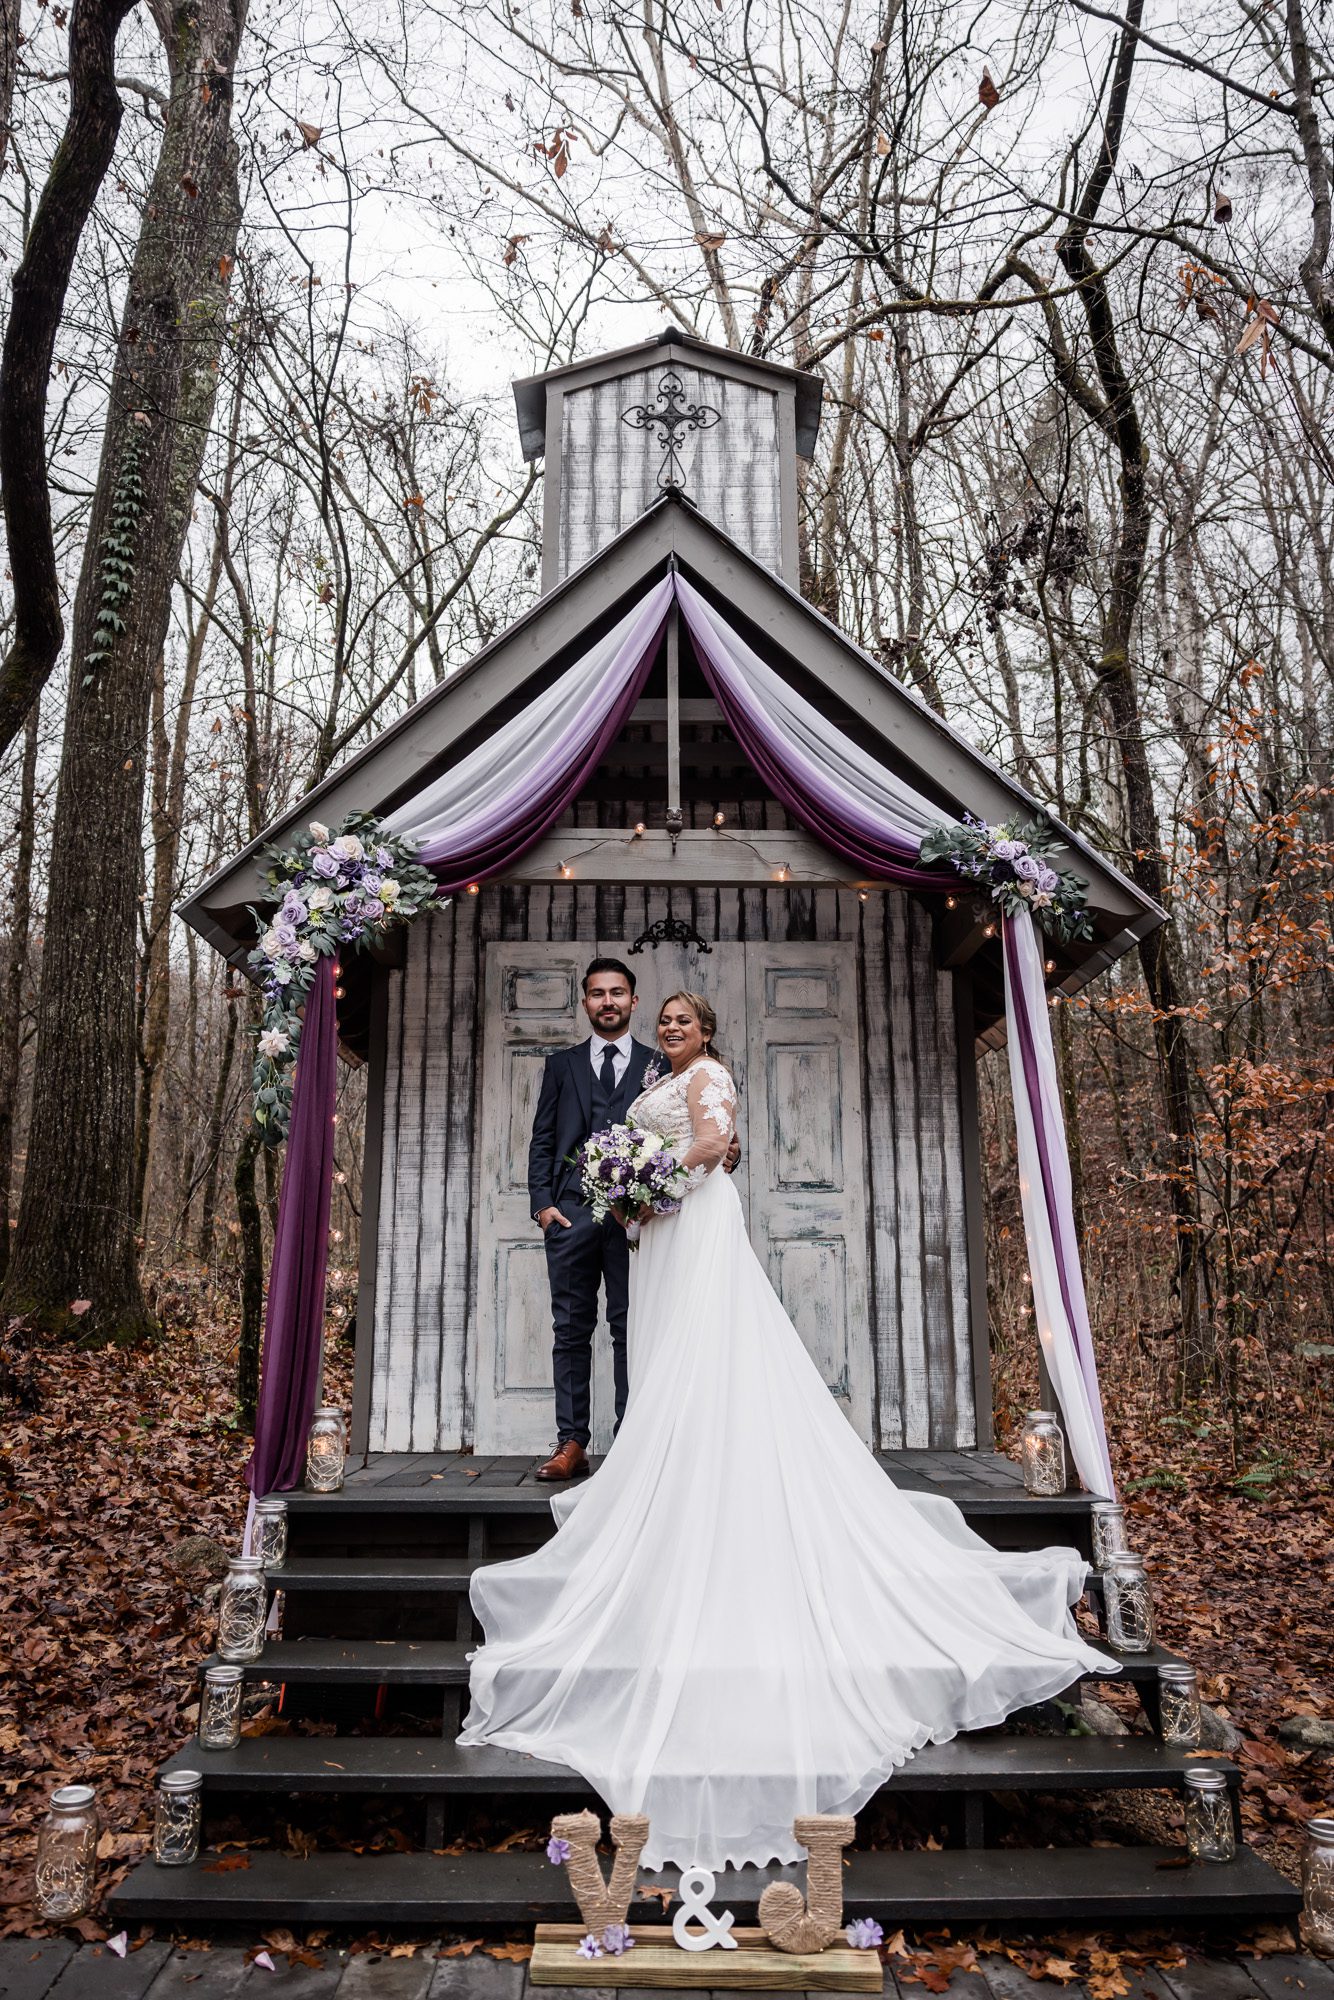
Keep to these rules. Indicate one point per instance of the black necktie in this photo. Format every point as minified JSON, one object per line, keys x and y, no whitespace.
{"x":609,"y":1072}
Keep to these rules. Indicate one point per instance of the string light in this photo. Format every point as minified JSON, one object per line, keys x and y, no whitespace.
{"x":720,"y":819}
{"x":988,"y":930}
{"x":862,"y":896}
{"x":1049,"y":965}
{"x":639,"y":829}
{"x":951,"y":902}
{"x":473,"y":888}
{"x":566,"y":870}
{"x":781,"y":873}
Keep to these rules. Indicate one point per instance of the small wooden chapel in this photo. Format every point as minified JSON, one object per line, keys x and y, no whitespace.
{"x":849,"y":1012}
{"x":851,"y":1009}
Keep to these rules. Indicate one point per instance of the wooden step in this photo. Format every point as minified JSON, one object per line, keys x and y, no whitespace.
{"x":952,"y":1885}
{"x":441,"y":1576}
{"x":338,"y":1663}
{"x":342,"y":1663}
{"x":985,"y":1761}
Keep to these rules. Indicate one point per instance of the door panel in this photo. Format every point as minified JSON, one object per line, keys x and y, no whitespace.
{"x":788,"y":1030}
{"x":808,"y":1171}
{"x":532,"y":1007}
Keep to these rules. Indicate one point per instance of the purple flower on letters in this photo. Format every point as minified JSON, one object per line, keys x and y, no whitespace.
{"x":616,"y":1939}
{"x":864,"y":1934}
{"x":558,"y":1851}
{"x":590,"y":1948}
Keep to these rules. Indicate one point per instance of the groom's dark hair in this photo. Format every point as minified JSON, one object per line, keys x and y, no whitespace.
{"x":608,"y":965}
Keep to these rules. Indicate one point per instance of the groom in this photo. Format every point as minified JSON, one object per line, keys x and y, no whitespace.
{"x":584,"y":1089}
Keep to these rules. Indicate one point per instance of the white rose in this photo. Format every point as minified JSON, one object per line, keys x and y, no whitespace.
{"x":307,"y":952}
{"x":321,"y":898}
{"x":319,"y":830}
{"x":269,"y":944}
{"x":347,"y":847}
{"x":273,"y":1042}
{"x":390,"y":891}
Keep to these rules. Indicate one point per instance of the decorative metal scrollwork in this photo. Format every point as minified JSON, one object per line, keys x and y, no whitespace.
{"x":669,"y":930}
{"x":673,"y":422}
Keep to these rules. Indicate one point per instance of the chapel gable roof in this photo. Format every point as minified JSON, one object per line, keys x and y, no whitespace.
{"x":796,"y":639}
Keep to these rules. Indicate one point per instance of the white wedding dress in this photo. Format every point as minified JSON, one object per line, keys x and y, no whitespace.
{"x":741,"y":1618}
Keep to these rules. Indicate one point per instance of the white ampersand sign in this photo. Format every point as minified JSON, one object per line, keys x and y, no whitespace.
{"x":697,"y":1887}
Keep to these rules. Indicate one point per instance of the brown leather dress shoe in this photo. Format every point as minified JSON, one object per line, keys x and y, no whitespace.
{"x":566,"y":1462}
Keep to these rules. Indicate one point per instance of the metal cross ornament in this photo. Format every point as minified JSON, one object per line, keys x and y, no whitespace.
{"x":673,"y":422}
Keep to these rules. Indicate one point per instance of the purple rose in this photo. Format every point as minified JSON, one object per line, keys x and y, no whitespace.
{"x":1008,"y":850}
{"x":293,"y":909}
{"x":286,"y":936}
{"x":1027,"y":869}
{"x":1048,"y":880}
{"x":370,"y":882}
{"x":324,"y":864}
{"x":1002,"y":871}
{"x":372,"y":909}
{"x":383,"y":858}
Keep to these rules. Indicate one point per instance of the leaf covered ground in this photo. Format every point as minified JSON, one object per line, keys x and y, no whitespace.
{"x":114,"y":1463}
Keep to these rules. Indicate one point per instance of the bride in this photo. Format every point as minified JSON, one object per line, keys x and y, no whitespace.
{"x":741,"y":1618}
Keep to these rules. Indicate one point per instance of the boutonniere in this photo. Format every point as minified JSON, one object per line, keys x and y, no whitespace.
{"x":652,"y":1072}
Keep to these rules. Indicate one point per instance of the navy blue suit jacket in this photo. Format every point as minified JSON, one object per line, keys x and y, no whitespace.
{"x":564,"y":1118}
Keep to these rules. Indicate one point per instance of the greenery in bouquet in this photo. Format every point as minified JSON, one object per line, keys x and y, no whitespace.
{"x":1012,"y":864}
{"x":335,"y":889}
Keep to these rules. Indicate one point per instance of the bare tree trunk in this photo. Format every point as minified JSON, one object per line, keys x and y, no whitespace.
{"x":252,"y":1276}
{"x":10,"y":38}
{"x":11,"y":1007}
{"x":37,"y":301}
{"x":213,"y":1141}
{"x":78,"y":1224}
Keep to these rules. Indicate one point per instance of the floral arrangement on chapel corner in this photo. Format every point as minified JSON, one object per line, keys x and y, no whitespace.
{"x":335,"y":888}
{"x":1012,"y":864}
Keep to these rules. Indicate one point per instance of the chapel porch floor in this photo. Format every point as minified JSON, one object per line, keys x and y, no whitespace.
{"x":985,"y":1484}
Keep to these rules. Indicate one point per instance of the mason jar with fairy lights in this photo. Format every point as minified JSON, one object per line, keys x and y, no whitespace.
{"x":220,"y":1707}
{"x":243,"y":1610}
{"x":177,"y":1818}
{"x":1210,"y":1832}
{"x":1179,"y":1717}
{"x":1130,"y":1622}
{"x":66,"y":1871}
{"x":1042,"y":1454}
{"x":1318,"y":1885}
{"x":1109,"y":1531}
{"x":268,"y":1532}
{"x":326,"y":1450}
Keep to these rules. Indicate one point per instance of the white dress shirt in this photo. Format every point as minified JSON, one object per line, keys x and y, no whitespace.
{"x":597,"y":1049}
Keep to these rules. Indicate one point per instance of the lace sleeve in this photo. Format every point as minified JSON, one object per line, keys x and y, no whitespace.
{"x":711,"y":1097}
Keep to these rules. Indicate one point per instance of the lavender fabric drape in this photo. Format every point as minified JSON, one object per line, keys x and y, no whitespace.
{"x":289,"y":1379}
{"x":490,"y":808}
{"x":853,"y":805}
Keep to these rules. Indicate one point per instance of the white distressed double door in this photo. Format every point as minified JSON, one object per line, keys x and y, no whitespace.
{"x":788,"y":1029}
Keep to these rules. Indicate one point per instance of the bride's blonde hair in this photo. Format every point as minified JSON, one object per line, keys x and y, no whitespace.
{"x":703,"y":1013}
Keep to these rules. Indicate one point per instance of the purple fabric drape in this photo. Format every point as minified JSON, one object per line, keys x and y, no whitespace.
{"x":495,"y":840}
{"x":289,"y":1380}
{"x":838,"y":822}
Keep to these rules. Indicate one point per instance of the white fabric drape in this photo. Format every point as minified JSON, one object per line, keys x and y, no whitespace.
{"x":1059,"y":1308}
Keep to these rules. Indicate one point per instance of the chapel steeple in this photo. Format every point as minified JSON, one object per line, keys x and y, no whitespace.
{"x":618,"y":429}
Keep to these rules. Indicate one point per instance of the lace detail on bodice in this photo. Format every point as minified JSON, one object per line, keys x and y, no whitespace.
{"x":664,"y":1109}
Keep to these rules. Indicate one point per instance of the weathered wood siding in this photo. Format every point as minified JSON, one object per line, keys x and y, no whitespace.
{"x":609,"y":471}
{"x":424,"y":1343}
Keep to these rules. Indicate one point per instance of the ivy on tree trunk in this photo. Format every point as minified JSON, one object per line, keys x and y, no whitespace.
{"x":77,"y":1236}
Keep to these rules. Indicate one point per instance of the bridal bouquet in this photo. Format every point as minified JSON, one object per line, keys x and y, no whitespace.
{"x":631,"y":1168}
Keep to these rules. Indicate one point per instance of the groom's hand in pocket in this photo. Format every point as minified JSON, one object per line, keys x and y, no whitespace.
{"x":546,"y":1216}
